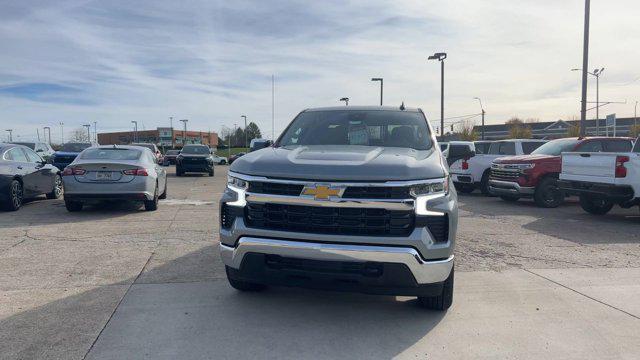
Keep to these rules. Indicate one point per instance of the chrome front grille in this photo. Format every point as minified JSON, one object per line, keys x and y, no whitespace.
{"x":505,"y":174}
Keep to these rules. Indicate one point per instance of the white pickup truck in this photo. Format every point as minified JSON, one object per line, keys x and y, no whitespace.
{"x":602,"y":179}
{"x":472,"y":173}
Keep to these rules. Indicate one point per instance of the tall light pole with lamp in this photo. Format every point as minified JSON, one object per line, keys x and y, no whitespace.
{"x":10,"y":131}
{"x":346,"y":100}
{"x":184,"y":131}
{"x":135,"y":130}
{"x":61,"y":132}
{"x":381,"y":87}
{"x":88,"y":126}
{"x":596,"y":73}
{"x":635,"y":117}
{"x":245,"y":130}
{"x":483,"y":112}
{"x":440,"y":57}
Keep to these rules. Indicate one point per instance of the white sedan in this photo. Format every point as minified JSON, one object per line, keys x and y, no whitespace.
{"x":102,"y":173}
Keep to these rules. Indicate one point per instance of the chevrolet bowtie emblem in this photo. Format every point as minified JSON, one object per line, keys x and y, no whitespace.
{"x":322,"y":192}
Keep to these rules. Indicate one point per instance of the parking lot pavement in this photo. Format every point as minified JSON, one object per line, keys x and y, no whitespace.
{"x":116,"y":282}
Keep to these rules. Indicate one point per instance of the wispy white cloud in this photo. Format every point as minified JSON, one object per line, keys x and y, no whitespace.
{"x":211,"y":61}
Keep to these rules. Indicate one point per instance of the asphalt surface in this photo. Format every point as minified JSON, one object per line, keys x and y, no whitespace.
{"x":116,"y":282}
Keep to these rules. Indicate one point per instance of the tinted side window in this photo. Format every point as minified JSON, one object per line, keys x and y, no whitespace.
{"x":529,"y":147}
{"x":617,"y":146}
{"x":459,"y":150}
{"x":32,"y":156}
{"x":17,"y":154}
{"x":590,"y":146}
{"x":507,"y":148}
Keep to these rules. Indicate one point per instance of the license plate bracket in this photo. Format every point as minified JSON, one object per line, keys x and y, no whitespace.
{"x":103,"y":176}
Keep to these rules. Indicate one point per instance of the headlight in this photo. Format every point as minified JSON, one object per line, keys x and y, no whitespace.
{"x":238,"y":183}
{"x":438,"y":187}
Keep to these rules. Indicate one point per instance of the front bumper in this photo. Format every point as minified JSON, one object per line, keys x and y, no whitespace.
{"x":509,"y":188}
{"x":369,"y":269}
{"x":195,"y":167}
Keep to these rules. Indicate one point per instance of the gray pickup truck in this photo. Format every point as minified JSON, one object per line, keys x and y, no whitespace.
{"x":348,"y":199}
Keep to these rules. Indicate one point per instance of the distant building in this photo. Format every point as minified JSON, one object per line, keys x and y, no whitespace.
{"x":162,"y":136}
{"x":557,"y":129}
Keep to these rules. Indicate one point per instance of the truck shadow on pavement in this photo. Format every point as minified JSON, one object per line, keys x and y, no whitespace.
{"x":176,"y":311}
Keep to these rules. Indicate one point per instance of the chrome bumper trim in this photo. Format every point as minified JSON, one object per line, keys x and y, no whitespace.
{"x":424,"y":271}
{"x":500,"y":187}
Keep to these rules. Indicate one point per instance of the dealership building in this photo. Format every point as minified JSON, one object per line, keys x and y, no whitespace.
{"x":163,"y":137}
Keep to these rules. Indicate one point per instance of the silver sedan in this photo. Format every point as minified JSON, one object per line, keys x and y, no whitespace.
{"x":114,"y":173}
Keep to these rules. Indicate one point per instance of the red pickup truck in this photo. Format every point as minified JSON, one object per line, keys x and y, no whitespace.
{"x":536,"y":175}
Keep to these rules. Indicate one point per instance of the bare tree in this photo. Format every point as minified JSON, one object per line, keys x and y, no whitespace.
{"x":466,"y":132}
{"x":79,"y":135}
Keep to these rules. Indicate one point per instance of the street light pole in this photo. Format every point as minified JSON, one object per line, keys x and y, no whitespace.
{"x":346,"y":101}
{"x":135,"y":130}
{"x":184,"y":132}
{"x":440,"y":57}
{"x":61,"y":132}
{"x":10,"y":135}
{"x":585,"y":66}
{"x":596,"y":73}
{"x":88,"y":126}
{"x":381,"y":87}
{"x":245,"y":130}
{"x":95,"y":131}
{"x":481,"y":108}
{"x":635,"y":117}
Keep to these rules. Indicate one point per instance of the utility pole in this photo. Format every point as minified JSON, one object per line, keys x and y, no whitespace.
{"x":381,"y":87}
{"x":135,"y":130}
{"x":585,"y":66}
{"x":61,"y":132}
{"x":10,"y":135}
{"x":346,"y":101}
{"x":483,"y":112}
{"x":245,"y":131}
{"x":95,"y":131}
{"x":440,"y":57}
{"x":44,"y":133}
{"x":184,"y":132}
{"x":171,"y":125}
{"x":88,"y":126}
{"x":273,"y":107}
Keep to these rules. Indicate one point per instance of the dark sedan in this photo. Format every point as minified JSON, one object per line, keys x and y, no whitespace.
{"x":194,"y":158}
{"x":235,"y":157}
{"x":24,"y":174}
{"x":170,"y":157}
{"x":67,"y":154}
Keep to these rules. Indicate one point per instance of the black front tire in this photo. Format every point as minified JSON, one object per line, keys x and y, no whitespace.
{"x":15,"y":196}
{"x":211,"y":172}
{"x":443,"y":301}
{"x":484,"y":184}
{"x":57,"y":190}
{"x":548,"y":194}
{"x":595,"y":205}
{"x":241,"y":285}
{"x":73,"y":206}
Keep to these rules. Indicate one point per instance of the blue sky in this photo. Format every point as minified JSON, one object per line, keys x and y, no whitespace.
{"x":211,"y":61}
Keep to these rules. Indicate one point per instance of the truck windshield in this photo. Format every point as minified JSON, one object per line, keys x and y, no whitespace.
{"x":359,"y":127}
{"x":556,"y":147}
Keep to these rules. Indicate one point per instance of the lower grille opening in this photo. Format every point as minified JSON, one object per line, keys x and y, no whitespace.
{"x":366,"y":269}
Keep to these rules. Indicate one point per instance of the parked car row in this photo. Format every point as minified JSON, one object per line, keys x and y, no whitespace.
{"x":599,"y":169}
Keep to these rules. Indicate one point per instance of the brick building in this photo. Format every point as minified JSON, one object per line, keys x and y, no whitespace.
{"x":163,"y":137}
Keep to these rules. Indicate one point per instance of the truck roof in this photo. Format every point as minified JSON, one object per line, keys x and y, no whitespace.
{"x":361,"y":108}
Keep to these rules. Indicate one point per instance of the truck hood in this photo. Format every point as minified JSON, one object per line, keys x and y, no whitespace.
{"x":342,"y":163}
{"x":525,"y":159}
